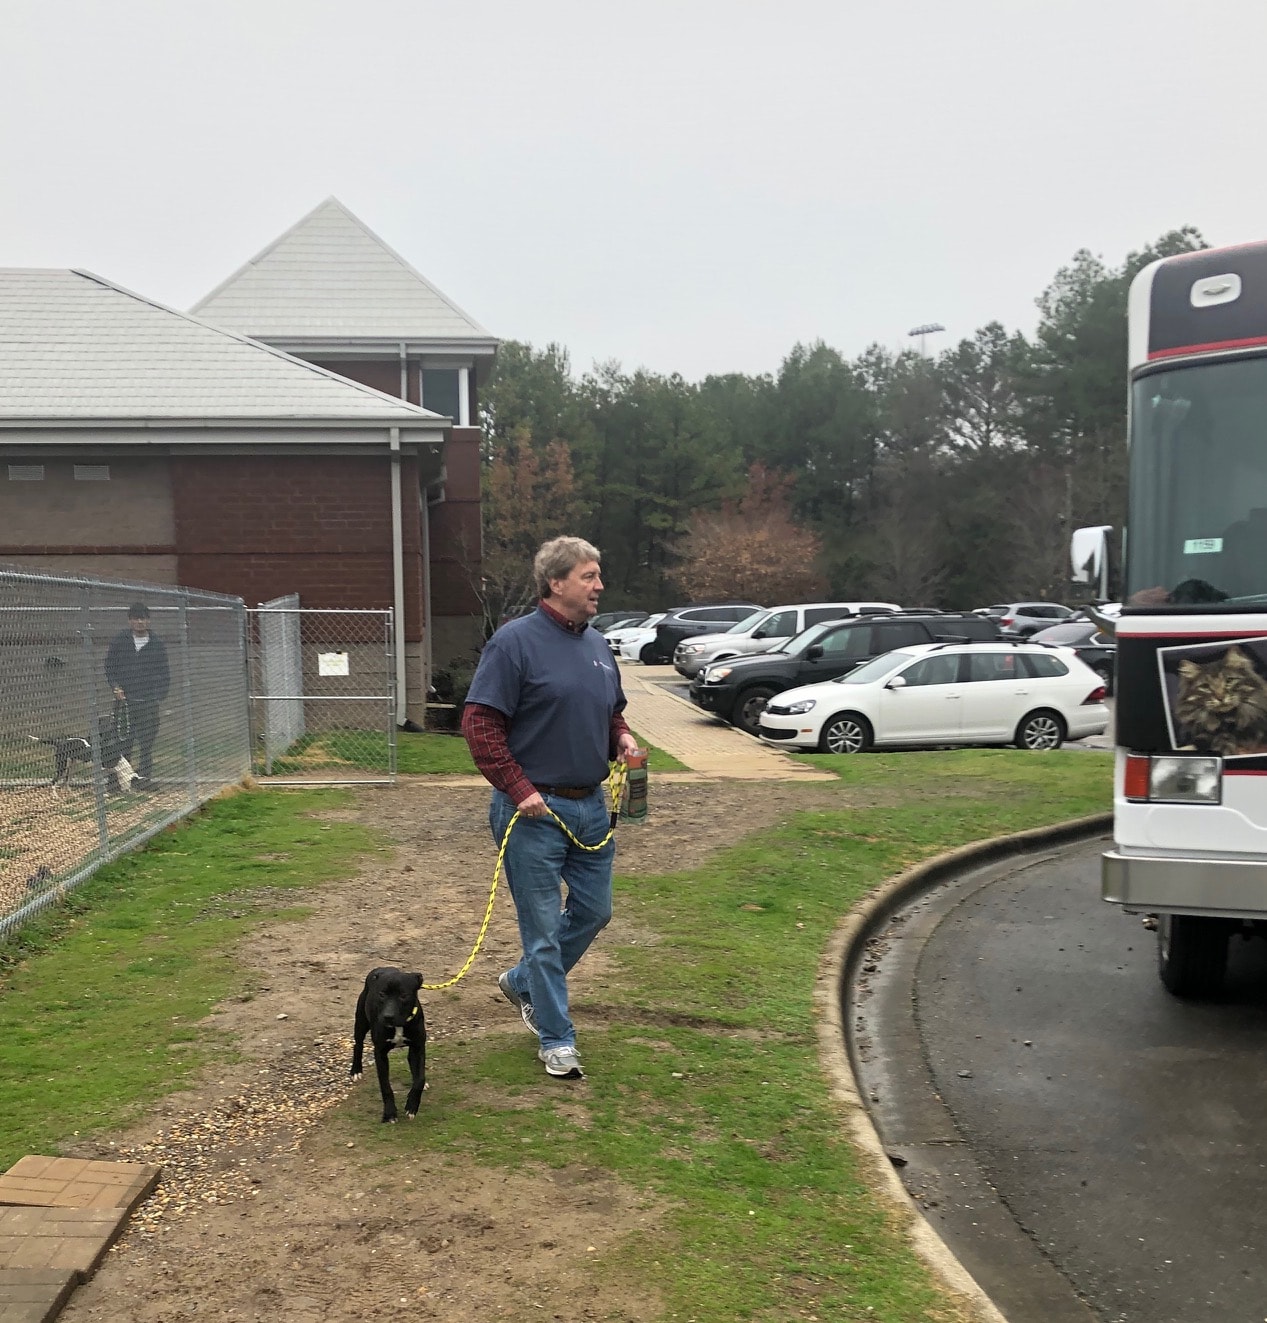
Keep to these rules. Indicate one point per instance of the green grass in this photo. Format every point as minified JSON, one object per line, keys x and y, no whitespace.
{"x":425,"y":754}
{"x":431,"y":755}
{"x":98,"y":998}
{"x":705,"y":1093}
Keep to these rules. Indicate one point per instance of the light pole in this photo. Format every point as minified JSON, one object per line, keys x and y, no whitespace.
{"x":923,"y":331}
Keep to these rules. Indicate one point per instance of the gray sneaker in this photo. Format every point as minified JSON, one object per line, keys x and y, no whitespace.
{"x":561,"y":1062}
{"x":525,"y":1006}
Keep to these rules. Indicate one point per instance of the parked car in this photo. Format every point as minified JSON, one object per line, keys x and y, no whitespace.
{"x":642,"y":644}
{"x":606,"y":620}
{"x":617,"y":635}
{"x":765,"y":630}
{"x":1022,"y":619}
{"x":1083,"y":638}
{"x":702,"y":618}
{"x":638,"y":643}
{"x":944,"y":693}
{"x":739,"y":689}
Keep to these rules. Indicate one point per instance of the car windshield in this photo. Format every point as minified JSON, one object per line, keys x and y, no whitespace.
{"x":650,"y":620}
{"x":799,"y":642}
{"x":742,"y":626}
{"x":876,"y":668}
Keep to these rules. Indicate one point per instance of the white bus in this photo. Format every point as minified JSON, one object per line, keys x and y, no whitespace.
{"x":1190,"y":784}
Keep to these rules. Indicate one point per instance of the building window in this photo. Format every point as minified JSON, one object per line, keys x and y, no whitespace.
{"x":26,"y":472}
{"x":440,"y":392}
{"x":92,"y":472}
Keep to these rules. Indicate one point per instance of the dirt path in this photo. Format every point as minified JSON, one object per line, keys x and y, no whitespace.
{"x":262,"y":1216}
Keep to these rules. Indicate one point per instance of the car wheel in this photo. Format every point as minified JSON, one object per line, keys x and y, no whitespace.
{"x":846,"y":732}
{"x":750,"y":705}
{"x":1041,"y":730}
{"x":1192,"y":954}
{"x":648,"y":656}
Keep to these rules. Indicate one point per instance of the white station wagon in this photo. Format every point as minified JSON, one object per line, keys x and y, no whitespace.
{"x":945,"y":693}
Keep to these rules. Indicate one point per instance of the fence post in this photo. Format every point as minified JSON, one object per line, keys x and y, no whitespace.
{"x":187,"y":702}
{"x":392,"y":714}
{"x":246,"y":640}
{"x":94,"y":730}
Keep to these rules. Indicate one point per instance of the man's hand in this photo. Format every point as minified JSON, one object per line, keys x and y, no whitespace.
{"x":626,"y":745}
{"x":533,"y":807}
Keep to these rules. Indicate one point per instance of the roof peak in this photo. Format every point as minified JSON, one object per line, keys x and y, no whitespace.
{"x":330,"y":276}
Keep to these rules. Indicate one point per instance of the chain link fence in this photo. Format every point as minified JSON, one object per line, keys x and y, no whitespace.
{"x":323,"y":694}
{"x":103,"y":742}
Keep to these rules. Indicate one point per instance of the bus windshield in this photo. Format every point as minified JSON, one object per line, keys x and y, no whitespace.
{"x":1198,"y":498}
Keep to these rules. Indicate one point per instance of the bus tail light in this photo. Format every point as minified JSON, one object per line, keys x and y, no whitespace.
{"x":1135,"y":782}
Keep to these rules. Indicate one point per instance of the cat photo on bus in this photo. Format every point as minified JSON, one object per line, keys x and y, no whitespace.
{"x":1216,"y":696}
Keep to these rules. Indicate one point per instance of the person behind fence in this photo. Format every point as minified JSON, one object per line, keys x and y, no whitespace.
{"x":543,"y":718}
{"x":138,"y":673}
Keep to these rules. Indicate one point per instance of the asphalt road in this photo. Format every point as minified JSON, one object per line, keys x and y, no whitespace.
{"x":1090,"y":1147}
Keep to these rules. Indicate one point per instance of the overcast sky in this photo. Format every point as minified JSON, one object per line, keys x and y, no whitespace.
{"x":688,"y":186}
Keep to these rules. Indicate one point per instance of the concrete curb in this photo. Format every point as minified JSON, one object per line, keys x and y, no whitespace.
{"x":831,"y":984}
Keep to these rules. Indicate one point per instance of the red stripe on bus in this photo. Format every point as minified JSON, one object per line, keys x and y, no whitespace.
{"x":1249,"y":771}
{"x":1184,"y":640}
{"x":1208,"y":348}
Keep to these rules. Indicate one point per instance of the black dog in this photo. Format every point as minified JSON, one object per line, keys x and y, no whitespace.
{"x":71,"y":749}
{"x":388,"y":1010}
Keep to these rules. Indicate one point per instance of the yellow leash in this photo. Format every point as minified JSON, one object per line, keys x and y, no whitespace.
{"x":615,"y":786}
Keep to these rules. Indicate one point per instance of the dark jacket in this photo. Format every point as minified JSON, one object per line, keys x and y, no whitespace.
{"x":143,"y":676}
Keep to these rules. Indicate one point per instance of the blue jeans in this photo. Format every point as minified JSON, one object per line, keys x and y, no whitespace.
{"x":555,"y":933}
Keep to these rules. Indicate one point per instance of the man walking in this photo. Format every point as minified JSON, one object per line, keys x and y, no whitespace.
{"x":543,"y":719}
{"x":137,"y":672}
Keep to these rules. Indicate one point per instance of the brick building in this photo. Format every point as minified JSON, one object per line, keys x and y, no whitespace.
{"x":140,"y":442}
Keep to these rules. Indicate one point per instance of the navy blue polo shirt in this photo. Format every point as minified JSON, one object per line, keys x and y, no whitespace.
{"x":559,"y":690}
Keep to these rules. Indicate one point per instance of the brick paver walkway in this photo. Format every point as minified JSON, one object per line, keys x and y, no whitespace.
{"x":77,"y":1183}
{"x":59,"y":1218}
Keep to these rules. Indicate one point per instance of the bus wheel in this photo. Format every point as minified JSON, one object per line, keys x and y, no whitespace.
{"x":1192,"y":954}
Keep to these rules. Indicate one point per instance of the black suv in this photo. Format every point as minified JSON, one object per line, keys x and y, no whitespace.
{"x":702,"y":618}
{"x":739,"y":689}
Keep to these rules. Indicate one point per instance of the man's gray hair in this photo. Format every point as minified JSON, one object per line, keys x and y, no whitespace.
{"x":558,"y":558}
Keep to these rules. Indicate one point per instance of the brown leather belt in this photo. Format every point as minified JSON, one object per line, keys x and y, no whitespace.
{"x":566,"y":792}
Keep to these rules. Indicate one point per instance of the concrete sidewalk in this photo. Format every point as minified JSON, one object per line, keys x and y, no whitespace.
{"x":706,"y":745}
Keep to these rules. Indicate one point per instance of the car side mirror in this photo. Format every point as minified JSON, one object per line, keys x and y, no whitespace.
{"x":898,"y":682}
{"x":814,"y":652}
{"x":760,"y":634}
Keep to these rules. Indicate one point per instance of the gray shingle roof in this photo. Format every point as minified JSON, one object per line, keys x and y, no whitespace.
{"x":74,"y":346}
{"x":330,"y":277}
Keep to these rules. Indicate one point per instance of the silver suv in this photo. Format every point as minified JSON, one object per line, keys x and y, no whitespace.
{"x":1021,"y":619}
{"x":768,"y":630}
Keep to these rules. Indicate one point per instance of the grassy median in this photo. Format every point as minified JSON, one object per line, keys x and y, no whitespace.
{"x":710,"y":1099}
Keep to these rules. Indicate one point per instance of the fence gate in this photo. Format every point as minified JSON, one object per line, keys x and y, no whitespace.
{"x":323,"y":695}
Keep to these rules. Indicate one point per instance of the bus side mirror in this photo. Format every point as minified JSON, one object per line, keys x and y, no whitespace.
{"x":1089,"y":557}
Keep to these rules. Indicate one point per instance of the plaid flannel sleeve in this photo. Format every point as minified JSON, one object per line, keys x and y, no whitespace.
{"x":486,"y":730}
